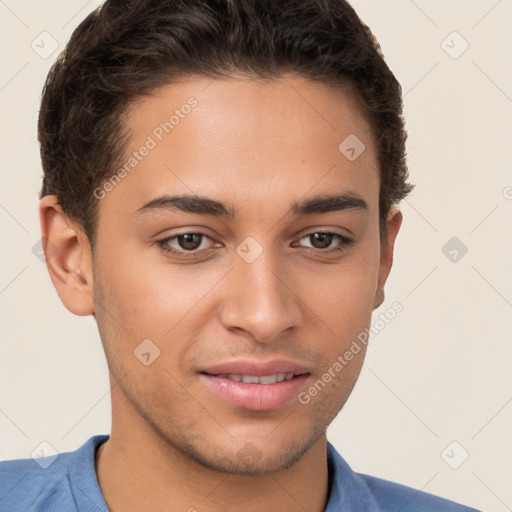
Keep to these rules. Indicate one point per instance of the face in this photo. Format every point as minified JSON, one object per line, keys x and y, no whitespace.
{"x":251,"y":276}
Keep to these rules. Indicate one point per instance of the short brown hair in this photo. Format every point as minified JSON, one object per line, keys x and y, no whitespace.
{"x":125,"y":49}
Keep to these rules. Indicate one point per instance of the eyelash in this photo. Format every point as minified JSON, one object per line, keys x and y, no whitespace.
{"x":345,"y":242}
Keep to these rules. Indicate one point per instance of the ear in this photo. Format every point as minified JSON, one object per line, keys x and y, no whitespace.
{"x":68,"y":257}
{"x":393,"y":224}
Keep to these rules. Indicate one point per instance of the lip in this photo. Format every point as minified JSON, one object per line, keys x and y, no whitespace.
{"x":248,"y":367}
{"x":256,"y":397}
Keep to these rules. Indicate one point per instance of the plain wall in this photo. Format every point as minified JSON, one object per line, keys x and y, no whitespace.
{"x":438,"y":373}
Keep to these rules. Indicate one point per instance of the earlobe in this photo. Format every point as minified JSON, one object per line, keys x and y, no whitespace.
{"x":379,"y":298}
{"x":393,"y":224}
{"x":68,"y":257}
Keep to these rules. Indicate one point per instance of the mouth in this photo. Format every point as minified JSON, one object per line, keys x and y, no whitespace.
{"x":256,"y":387}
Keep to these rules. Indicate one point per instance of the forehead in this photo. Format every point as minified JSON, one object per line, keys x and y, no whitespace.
{"x":246,"y":139}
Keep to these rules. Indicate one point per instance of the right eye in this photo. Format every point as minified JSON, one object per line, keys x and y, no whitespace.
{"x":184,"y":244}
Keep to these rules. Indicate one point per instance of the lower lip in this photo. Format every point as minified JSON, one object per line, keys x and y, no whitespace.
{"x":256,"y":397}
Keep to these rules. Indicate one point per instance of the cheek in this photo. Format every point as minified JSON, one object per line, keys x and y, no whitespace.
{"x":165,"y":304}
{"x":343,"y":300}
{"x":344,"y":295}
{"x":148,"y":298}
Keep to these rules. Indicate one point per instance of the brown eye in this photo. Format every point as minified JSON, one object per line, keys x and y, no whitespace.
{"x":186,"y":244}
{"x":189,"y":241}
{"x":321,"y":240}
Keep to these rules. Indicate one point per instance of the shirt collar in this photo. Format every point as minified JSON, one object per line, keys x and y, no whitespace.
{"x":348,"y":492}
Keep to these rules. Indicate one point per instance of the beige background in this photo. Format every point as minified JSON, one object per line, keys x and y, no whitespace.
{"x":439,"y":372}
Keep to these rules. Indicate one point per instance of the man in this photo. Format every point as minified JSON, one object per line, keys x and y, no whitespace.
{"x":220,"y":192}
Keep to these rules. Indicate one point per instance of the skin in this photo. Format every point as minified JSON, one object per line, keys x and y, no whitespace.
{"x":259,"y":146}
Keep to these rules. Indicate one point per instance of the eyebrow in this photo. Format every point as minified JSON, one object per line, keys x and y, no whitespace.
{"x":205,"y":206}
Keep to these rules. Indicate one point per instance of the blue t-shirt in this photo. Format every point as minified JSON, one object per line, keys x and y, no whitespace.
{"x":68,"y":483}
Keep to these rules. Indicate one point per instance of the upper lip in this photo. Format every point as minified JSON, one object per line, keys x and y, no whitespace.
{"x":257,"y":368}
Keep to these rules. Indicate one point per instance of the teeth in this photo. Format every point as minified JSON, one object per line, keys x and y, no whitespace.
{"x":268,"y":379}
{"x":250,"y":379}
{"x":254,"y":379}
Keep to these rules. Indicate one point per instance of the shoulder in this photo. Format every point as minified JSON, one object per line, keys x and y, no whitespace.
{"x":373,"y":494}
{"x":391,"y":496}
{"x":48,"y":482}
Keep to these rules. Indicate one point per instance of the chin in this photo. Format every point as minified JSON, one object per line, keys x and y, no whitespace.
{"x":251,"y":458}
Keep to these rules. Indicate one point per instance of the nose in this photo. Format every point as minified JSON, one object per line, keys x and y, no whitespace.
{"x":260,"y":300}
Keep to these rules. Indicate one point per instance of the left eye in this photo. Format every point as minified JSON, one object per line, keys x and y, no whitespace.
{"x":322,"y":240}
